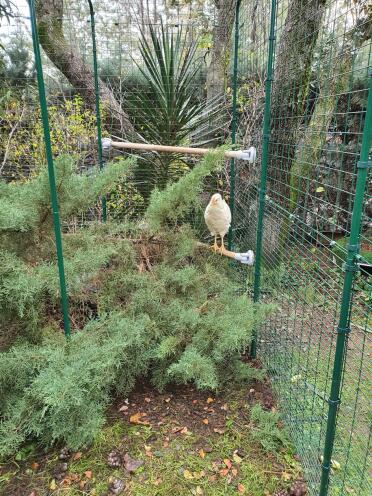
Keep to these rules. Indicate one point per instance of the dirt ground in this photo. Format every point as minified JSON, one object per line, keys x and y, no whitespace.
{"x":180,"y":442}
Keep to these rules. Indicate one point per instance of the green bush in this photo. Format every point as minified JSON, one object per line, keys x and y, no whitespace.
{"x":266,"y":429}
{"x":159,"y":306}
{"x":340,"y":250}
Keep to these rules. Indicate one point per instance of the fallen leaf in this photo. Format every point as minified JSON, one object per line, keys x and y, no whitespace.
{"x":296,"y":378}
{"x":167,"y":400}
{"x":131,"y":464}
{"x":227,"y":462}
{"x":185,"y":430}
{"x":165,"y":444}
{"x":77,"y":456}
{"x":319,"y":189}
{"x":205,"y":421}
{"x":88,"y":474}
{"x":34,"y":466}
{"x":224,"y":407}
{"x":82,"y":484}
{"x":123,"y":408}
{"x":201,"y":453}
{"x":199,"y":475}
{"x":212,"y":478}
{"x":234,"y":471}
{"x":210,"y":400}
{"x":198,"y":491}
{"x":187,"y":474}
{"x":219,"y":431}
{"x":66,"y":482}
{"x":147,"y":400}
{"x":194,"y":402}
{"x":223,"y":472}
{"x":237,"y":458}
{"x":286,"y":476}
{"x":177,"y":429}
{"x":157,"y":481}
{"x":53,"y":485}
{"x":241,"y":489}
{"x":136,"y":419}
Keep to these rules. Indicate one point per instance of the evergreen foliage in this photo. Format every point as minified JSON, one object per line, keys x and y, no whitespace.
{"x":166,"y":207}
{"x":147,"y":299}
{"x":266,"y":429}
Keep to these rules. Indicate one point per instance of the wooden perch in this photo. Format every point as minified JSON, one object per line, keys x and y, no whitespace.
{"x":249,"y":155}
{"x":245,"y":258}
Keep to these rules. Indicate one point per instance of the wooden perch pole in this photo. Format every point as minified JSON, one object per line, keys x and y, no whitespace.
{"x":249,"y":155}
{"x":224,"y":252}
{"x":244,"y":258}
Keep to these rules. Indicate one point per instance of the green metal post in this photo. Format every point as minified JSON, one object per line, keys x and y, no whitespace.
{"x":96,"y":90}
{"x":264,"y":158}
{"x":51,"y":175}
{"x":343,"y":327}
{"x":234,"y":121}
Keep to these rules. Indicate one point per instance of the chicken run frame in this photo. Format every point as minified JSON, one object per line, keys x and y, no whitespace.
{"x":300,"y":91}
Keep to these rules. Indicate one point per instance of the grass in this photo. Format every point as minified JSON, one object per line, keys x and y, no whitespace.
{"x":176,"y":461}
{"x":297,"y":345}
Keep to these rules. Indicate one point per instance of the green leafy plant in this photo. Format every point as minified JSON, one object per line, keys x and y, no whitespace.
{"x":171,"y":110}
{"x":266,"y":429}
{"x":72,"y":129}
{"x":126,"y":284}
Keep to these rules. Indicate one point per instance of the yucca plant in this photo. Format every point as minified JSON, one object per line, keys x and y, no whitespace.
{"x":173,"y":110}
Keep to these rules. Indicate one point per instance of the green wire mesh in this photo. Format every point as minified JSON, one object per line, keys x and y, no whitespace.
{"x":322,"y":55}
{"x":317,"y":119}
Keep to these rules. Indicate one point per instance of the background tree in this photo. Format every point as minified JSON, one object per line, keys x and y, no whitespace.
{"x":291,"y":80}
{"x":218,"y":70}
{"x":68,"y":60}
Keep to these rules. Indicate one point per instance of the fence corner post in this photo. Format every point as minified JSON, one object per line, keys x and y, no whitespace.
{"x":97,"y":103}
{"x":234,"y":121}
{"x":343,"y":328}
{"x":263,"y":175}
{"x":51,"y":173}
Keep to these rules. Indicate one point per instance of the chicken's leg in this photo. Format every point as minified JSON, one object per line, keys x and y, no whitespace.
{"x":222,"y":250}
{"x":215,"y":246}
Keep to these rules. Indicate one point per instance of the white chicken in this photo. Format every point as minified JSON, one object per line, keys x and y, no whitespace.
{"x":217,"y":216}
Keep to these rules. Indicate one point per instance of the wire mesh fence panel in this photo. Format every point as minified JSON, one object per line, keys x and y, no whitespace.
{"x":317,"y":117}
{"x":301,"y":74}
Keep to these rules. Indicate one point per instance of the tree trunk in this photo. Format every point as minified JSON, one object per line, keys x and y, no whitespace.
{"x":334,"y":82}
{"x":218,"y":70}
{"x":66,"y":58}
{"x":291,"y":84}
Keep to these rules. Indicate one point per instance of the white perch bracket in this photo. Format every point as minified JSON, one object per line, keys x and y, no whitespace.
{"x":248,"y":155}
{"x":246,"y":258}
